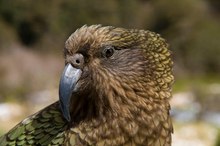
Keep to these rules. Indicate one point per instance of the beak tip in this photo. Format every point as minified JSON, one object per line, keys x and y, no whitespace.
{"x":67,"y":117}
{"x":65,"y":111}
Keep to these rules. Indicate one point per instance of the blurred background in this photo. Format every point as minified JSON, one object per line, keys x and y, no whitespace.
{"x":32,"y":36}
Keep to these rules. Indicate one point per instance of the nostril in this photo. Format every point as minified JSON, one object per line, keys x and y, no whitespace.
{"x":77,"y":61}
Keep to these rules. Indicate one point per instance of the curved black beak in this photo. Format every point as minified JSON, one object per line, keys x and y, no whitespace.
{"x":68,"y":83}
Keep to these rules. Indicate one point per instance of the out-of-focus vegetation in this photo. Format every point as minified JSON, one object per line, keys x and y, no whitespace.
{"x":191,"y":27}
{"x":32,"y":36}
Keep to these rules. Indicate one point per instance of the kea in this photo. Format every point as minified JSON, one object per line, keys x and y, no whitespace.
{"x":114,"y":91}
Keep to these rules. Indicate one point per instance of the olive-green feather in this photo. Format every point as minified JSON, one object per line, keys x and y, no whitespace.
{"x":43,"y":128}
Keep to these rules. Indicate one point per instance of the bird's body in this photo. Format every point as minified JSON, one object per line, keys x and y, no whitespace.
{"x":120,"y":98}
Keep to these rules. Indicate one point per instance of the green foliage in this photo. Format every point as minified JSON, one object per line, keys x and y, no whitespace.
{"x":188,"y":83}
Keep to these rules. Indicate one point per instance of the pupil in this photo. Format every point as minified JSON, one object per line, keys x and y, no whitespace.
{"x":109,"y":52}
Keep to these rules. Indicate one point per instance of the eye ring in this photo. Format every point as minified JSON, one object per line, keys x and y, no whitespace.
{"x":108,"y":51}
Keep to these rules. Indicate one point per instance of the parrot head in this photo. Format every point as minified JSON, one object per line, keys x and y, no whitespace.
{"x":110,"y":70}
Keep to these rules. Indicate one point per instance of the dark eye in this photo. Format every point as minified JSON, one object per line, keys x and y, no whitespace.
{"x":108,"y":51}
